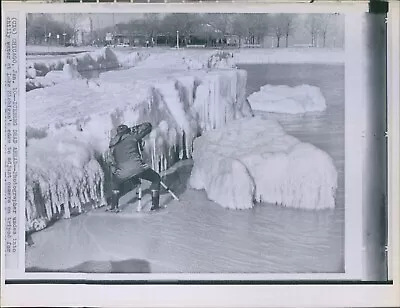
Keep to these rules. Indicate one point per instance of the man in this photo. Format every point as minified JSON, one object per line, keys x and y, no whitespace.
{"x":127,"y":163}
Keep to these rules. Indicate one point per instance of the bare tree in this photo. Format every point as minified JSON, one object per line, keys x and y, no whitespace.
{"x":288,"y":25}
{"x":312,"y":25}
{"x":259,"y":25}
{"x":283,"y":26}
{"x":326,"y":22}
{"x":151,"y":25}
{"x":221,"y":22}
{"x":321,"y":25}
{"x":183,"y":22}
{"x":40,"y":25}
{"x":241,"y":26}
{"x":252,"y":27}
{"x":74,"y":19}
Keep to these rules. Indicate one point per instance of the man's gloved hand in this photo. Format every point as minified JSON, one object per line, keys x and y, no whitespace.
{"x":134,"y":129}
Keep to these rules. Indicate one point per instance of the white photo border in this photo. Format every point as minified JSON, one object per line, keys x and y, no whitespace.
{"x":233,"y":295}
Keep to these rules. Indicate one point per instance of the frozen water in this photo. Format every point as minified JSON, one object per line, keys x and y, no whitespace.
{"x":47,"y":71}
{"x":285,"y":99}
{"x":69,"y":72}
{"x":63,"y":172}
{"x":180,"y":104}
{"x":253,"y":159}
{"x":197,"y":236}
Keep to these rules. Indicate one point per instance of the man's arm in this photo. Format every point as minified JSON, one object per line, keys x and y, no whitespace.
{"x":142,"y":130}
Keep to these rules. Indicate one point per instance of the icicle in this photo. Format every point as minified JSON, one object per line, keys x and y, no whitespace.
{"x":165,"y":162}
{"x":154,"y":153}
{"x":67,"y":212}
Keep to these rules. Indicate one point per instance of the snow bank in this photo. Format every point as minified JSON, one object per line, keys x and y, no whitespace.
{"x":253,"y":159}
{"x":289,"y":55}
{"x":285,"y":99}
{"x":75,"y":119}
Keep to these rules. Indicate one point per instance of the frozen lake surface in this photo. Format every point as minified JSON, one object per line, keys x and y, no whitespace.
{"x":199,"y":236}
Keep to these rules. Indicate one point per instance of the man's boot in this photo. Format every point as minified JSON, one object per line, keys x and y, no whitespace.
{"x":114,"y":200}
{"x":155,"y":200}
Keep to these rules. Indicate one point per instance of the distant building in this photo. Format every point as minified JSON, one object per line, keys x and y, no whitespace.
{"x":125,"y":37}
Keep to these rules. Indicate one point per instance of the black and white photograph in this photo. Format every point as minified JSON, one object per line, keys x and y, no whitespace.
{"x":200,"y":154}
{"x":185,"y":143}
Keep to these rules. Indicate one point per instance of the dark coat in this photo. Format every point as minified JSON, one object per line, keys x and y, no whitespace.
{"x":125,"y":150}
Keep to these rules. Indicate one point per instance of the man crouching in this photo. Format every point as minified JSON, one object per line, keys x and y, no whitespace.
{"x":127,"y":163}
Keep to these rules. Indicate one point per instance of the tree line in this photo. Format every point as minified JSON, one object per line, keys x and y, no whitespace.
{"x":250,"y":28}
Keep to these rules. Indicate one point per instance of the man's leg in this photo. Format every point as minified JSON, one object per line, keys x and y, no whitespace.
{"x":154,"y":178}
{"x":115,"y":193}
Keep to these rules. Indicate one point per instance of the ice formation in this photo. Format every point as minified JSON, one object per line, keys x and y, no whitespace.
{"x":46,"y":72}
{"x":253,"y":159}
{"x":62,"y":175}
{"x":69,"y":126}
{"x":69,"y":72}
{"x":285,"y":99}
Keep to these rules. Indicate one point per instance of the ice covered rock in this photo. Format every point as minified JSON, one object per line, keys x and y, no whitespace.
{"x":253,"y":159}
{"x":221,"y":60}
{"x":130,"y":59}
{"x":30,"y":72}
{"x":188,"y":60}
{"x":69,"y":72}
{"x":285,"y":99}
{"x":105,"y":58}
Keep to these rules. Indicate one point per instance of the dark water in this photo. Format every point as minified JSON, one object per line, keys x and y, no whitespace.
{"x":199,"y":236}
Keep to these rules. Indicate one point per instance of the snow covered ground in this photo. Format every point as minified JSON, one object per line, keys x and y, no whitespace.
{"x":285,"y":99}
{"x":253,"y":159}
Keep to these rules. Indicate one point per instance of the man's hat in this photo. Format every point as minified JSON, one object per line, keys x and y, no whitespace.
{"x":122,"y":129}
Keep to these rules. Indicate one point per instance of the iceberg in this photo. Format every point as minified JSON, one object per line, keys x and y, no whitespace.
{"x":253,"y":160}
{"x":285,"y":99}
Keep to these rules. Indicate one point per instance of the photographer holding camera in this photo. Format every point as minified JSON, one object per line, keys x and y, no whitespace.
{"x":127,"y":163}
